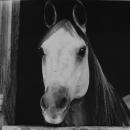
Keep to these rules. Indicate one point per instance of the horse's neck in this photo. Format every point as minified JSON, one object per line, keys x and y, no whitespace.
{"x":76,"y":115}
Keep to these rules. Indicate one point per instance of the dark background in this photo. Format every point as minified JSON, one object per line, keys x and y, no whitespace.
{"x":108,"y":29}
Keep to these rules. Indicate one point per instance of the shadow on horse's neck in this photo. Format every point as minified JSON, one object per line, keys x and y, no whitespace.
{"x":77,"y":114}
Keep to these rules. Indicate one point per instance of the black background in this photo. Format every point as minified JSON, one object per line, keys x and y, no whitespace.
{"x":108,"y":29}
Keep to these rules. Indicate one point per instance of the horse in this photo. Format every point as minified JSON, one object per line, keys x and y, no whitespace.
{"x":77,"y":93}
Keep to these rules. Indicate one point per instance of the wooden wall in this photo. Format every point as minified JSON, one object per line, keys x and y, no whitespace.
{"x":9,"y":32}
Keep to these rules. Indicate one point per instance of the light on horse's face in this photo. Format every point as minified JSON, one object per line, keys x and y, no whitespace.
{"x":65,"y":73}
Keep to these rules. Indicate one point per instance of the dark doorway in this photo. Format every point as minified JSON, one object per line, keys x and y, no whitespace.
{"x":108,"y":30}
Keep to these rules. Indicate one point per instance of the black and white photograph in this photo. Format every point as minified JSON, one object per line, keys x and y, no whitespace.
{"x":64,"y":64}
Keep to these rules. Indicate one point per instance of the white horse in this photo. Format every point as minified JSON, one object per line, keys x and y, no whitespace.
{"x":76,"y":89}
{"x":65,"y":71}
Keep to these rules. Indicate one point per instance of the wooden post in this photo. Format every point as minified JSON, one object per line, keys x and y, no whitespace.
{"x":65,"y":128}
{"x":9,"y":28}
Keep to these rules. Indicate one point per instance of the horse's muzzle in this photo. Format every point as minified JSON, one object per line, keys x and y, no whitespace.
{"x":54,"y":104}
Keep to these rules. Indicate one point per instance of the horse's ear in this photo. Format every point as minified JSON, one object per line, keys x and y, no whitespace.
{"x":50,"y":14}
{"x":79,"y":15}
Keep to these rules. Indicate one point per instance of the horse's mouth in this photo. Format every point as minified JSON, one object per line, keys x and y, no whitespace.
{"x":55,"y":117}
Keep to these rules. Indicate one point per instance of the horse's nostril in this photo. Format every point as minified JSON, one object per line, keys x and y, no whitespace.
{"x":43,"y":103}
{"x":61,"y":103}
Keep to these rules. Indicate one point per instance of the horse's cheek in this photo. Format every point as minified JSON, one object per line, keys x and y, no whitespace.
{"x":82,"y":82}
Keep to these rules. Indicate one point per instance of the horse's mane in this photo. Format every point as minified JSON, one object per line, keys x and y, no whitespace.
{"x":101,"y":106}
{"x":102,"y":101}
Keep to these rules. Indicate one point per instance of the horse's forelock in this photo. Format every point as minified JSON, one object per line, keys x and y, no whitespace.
{"x":68,"y":26}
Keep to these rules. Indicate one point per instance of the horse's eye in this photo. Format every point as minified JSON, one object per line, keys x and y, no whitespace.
{"x":82,"y":52}
{"x":41,"y":52}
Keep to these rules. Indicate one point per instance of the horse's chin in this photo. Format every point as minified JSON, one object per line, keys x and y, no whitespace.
{"x":54,"y":118}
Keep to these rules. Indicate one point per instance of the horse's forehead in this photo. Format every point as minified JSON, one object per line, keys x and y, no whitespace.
{"x":62,"y":39}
